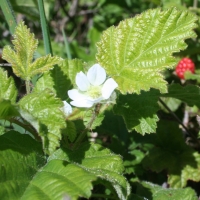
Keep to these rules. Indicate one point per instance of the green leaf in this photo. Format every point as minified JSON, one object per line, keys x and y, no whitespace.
{"x":171,"y":103}
{"x":72,"y":172}
{"x":2,"y":130}
{"x":8,"y":90}
{"x":21,"y":56}
{"x":70,"y":131}
{"x":43,"y":64}
{"x":171,"y":153}
{"x":136,"y":51}
{"x":61,"y":78}
{"x":7,"y":110}
{"x":156,"y":192}
{"x":24,"y":47}
{"x":42,"y":110}
{"x":190,"y":94}
{"x":139,"y":111}
{"x":21,"y":157}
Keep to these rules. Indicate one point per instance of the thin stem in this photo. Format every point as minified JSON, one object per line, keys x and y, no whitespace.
{"x":88,"y":127}
{"x":28,"y":89}
{"x":176,"y":118}
{"x":26,"y":127}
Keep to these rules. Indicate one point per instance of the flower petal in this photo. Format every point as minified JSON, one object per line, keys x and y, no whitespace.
{"x":67,"y":109}
{"x":96,"y":75}
{"x":74,"y":94}
{"x":108,"y":88}
{"x":82,"y":103}
{"x":82,"y":81}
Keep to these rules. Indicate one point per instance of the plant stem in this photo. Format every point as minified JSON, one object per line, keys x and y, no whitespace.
{"x":88,"y":127}
{"x":28,"y":89}
{"x":26,"y":127}
{"x":176,"y":118}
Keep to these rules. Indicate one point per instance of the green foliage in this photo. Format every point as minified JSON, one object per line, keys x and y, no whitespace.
{"x":142,"y":47}
{"x":2,"y":130}
{"x":42,"y":111}
{"x":70,"y":131}
{"x":22,"y":56}
{"x":184,"y":94}
{"x":61,"y":78}
{"x":7,"y":110}
{"x":8,"y":90}
{"x":171,"y":153}
{"x":68,"y":170}
{"x":21,"y":157}
{"x":139,"y":111}
{"x":156,"y":192}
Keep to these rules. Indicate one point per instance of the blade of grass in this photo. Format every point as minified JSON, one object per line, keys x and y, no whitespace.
{"x":9,"y":14}
{"x":45,"y":28}
{"x":67,"y":48}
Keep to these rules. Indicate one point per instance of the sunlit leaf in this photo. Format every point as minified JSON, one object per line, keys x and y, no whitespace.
{"x":135,"y":52}
{"x":21,"y":157}
{"x":21,"y":57}
{"x":42,"y":110}
{"x":72,"y":173}
{"x":8,"y":91}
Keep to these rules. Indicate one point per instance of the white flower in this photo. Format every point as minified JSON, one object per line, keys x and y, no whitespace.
{"x":93,"y":88}
{"x":66,"y":109}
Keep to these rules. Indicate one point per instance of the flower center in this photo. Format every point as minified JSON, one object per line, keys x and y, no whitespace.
{"x":94,"y":91}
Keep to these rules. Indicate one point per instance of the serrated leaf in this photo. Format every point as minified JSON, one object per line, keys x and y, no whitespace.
{"x":42,"y":110}
{"x":21,"y":56}
{"x":171,"y":153}
{"x":190,"y":94}
{"x":65,"y":167}
{"x":43,"y":64}
{"x":21,"y":157}
{"x":156,"y":192}
{"x":25,"y":45}
{"x":136,"y":51}
{"x":139,"y":111}
{"x":61,"y":78}
{"x":8,"y":91}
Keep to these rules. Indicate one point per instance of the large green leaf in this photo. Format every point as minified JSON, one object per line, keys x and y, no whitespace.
{"x":61,"y":78}
{"x":21,"y":57}
{"x":156,"y":192}
{"x":8,"y":91}
{"x":190,"y":94}
{"x":171,"y":153}
{"x":21,"y":157}
{"x":139,"y":111}
{"x":71,"y":174}
{"x":136,"y":51}
{"x":42,"y":110}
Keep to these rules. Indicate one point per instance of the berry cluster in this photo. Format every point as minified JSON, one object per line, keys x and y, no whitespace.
{"x":184,"y":65}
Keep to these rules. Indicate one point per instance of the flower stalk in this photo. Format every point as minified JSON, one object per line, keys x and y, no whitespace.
{"x":88,"y":127}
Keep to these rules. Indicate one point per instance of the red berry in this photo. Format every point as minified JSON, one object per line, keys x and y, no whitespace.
{"x":184,"y":65}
